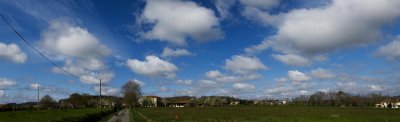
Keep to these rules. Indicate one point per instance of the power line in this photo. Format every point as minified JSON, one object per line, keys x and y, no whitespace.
{"x":40,"y":53}
{"x":18,"y":89}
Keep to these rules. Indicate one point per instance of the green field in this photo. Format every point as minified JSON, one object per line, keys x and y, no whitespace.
{"x":272,"y":113}
{"x":47,"y":115}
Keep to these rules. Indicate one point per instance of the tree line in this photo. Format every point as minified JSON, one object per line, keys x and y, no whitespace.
{"x":341,"y":98}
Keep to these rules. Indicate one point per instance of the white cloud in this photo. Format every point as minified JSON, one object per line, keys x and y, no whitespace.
{"x":105,"y":90}
{"x":1,"y":93}
{"x":11,"y":52}
{"x":4,"y":83}
{"x":349,"y":86}
{"x":261,"y":4}
{"x":175,"y":20}
{"x":164,"y":89}
{"x":94,"y":78}
{"x":257,"y":48}
{"x":243,"y":86}
{"x":322,"y":73}
{"x":153,"y":67}
{"x":243,"y":64}
{"x":168,"y":52}
{"x":281,"y":80}
{"x":298,"y":76}
{"x":213,"y":74}
{"x":85,"y":75}
{"x":141,"y":83}
{"x":184,"y":82}
{"x":390,"y":51}
{"x":292,"y":59}
{"x":223,"y":7}
{"x":35,"y":85}
{"x":375,"y":87}
{"x":208,"y":83}
{"x":334,"y":26}
{"x":281,"y":90}
{"x":258,"y":10}
{"x":82,"y":51}
{"x":72,"y":41}
{"x":218,"y":76}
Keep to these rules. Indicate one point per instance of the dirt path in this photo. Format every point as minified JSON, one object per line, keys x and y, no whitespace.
{"x":123,"y":116}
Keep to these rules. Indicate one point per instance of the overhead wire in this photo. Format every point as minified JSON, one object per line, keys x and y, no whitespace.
{"x":42,"y":55}
{"x":36,"y":50}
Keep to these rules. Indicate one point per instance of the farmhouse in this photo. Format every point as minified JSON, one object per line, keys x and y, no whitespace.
{"x":150,"y":101}
{"x":235,"y":103}
{"x":388,"y":104}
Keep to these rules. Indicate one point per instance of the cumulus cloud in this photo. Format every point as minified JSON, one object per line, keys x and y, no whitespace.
{"x":244,"y":64}
{"x":12,"y":52}
{"x":223,"y":7}
{"x":243,"y":86}
{"x":85,"y":74}
{"x":298,"y":76}
{"x":73,"y":41}
{"x":280,"y":90}
{"x":152,"y":66}
{"x":257,"y":48}
{"x":208,"y":83}
{"x":141,"y":83}
{"x":292,"y":59}
{"x":335,"y":25}
{"x":168,"y":52}
{"x":34,"y":85}
{"x":213,"y":74}
{"x":281,"y":80}
{"x":184,"y":82}
{"x":106,"y":90}
{"x":175,"y":20}
{"x":1,"y":93}
{"x":261,"y":4}
{"x":332,"y":26}
{"x":164,"y":89}
{"x":390,"y":51}
{"x":4,"y":83}
{"x":82,"y":51}
{"x":375,"y":87}
{"x":220,"y":77}
{"x":322,"y":73}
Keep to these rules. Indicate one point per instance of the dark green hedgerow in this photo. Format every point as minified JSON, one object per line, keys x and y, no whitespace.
{"x":90,"y":117}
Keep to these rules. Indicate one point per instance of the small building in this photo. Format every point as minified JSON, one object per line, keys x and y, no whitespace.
{"x":150,"y":101}
{"x":388,"y":104}
{"x":234,"y":103}
{"x":281,"y":102}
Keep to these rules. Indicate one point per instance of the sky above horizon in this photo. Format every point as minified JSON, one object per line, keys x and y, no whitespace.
{"x":250,"y":49}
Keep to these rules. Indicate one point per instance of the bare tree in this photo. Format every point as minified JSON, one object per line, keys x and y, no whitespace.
{"x":131,"y":92}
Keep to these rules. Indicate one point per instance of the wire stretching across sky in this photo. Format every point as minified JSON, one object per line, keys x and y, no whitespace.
{"x":40,"y":53}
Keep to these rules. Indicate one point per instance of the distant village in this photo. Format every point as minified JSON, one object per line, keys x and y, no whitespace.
{"x":76,"y":101}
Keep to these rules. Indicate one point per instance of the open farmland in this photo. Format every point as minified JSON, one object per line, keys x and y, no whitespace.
{"x":68,"y":115}
{"x":271,"y":113}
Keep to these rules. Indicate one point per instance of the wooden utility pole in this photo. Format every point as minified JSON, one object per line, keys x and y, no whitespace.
{"x":37,"y":104}
{"x":100,"y":95}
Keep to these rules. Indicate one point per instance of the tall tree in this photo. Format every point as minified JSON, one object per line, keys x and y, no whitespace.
{"x":131,"y":92}
{"x":47,"y":102}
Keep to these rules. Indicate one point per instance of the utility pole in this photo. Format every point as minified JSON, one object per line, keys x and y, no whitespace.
{"x":37,"y":104}
{"x":100,"y":95}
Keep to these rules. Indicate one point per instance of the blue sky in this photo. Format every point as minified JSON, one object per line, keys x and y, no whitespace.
{"x":241,"y":48}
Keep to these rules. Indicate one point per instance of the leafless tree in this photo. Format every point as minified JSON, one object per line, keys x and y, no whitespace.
{"x":131,"y":91}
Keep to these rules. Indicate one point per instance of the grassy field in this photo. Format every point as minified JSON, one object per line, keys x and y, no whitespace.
{"x":45,"y":115}
{"x":272,"y":113}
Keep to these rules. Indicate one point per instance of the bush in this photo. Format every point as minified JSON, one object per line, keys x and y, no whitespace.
{"x":90,"y":117}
